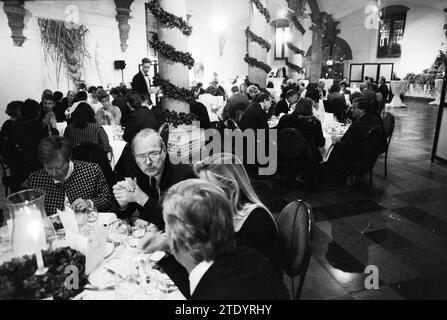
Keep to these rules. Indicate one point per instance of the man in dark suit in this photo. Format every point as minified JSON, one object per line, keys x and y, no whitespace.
{"x":199,"y":228}
{"x":283,"y":105}
{"x":141,"y":82}
{"x":120,"y":102}
{"x":383,"y":88}
{"x":143,"y":188}
{"x":237,"y":102}
{"x":352,"y":152}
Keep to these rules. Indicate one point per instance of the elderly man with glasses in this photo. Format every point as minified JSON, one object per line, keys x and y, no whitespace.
{"x":154,"y":176}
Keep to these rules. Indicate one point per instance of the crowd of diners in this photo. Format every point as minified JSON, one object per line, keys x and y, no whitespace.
{"x":222,"y":239}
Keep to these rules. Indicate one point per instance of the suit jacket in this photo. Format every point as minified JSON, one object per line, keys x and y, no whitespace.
{"x":384,"y":91}
{"x":242,"y":274}
{"x":236,"y":102}
{"x":152,"y":209}
{"x":281,"y":107}
{"x":139,"y":84}
{"x":121,"y":103}
{"x":138,"y":119}
{"x":254,"y":118}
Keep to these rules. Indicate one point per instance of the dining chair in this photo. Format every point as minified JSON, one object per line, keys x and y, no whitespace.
{"x":389,"y":122}
{"x":295,"y":228}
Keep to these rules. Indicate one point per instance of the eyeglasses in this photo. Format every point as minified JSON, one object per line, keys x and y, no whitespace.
{"x":153,"y":156}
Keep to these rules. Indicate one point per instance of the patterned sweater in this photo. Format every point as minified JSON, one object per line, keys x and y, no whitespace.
{"x":86,"y":182}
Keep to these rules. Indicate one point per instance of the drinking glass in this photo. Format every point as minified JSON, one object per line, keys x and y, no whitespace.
{"x":127,"y":288}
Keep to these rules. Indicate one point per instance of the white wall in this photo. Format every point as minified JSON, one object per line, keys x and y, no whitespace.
{"x":423,"y":38}
{"x":24,"y":73}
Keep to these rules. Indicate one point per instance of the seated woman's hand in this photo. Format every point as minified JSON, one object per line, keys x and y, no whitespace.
{"x":154,"y":242}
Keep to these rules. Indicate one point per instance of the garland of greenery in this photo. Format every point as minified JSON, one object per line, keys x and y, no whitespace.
{"x":262,"y":9}
{"x":294,"y":48}
{"x":294,"y":67}
{"x":255,"y":38}
{"x":256,"y":63}
{"x":169,"y":52}
{"x":18,"y":282}
{"x":168,"y":19}
{"x":172,"y":91}
{"x":175,"y":119}
{"x":298,"y":24}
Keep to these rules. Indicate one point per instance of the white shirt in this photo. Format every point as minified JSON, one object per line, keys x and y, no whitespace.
{"x":197,"y":274}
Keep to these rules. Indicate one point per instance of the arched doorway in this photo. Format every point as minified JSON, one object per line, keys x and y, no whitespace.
{"x":335,"y":59}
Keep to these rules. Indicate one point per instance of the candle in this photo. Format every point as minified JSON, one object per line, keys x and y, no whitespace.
{"x":39,"y":259}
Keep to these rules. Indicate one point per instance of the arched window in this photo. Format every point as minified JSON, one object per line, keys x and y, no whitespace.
{"x":391,"y":31}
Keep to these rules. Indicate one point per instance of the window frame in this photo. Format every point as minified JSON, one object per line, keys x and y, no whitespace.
{"x":393,"y":17}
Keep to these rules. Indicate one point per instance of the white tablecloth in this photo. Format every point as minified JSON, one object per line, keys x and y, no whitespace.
{"x":397,"y":87}
{"x":438,"y":88}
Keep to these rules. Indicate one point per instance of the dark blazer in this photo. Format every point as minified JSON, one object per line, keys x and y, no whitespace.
{"x":201,"y":112}
{"x":138,"y":119}
{"x":243,"y":274}
{"x":152,"y":210}
{"x":254,"y":118}
{"x":281,"y":107}
{"x":384,"y":91}
{"x":139,"y":84}
{"x":59,"y":110}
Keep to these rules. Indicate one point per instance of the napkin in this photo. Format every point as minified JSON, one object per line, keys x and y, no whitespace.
{"x":68,"y":219}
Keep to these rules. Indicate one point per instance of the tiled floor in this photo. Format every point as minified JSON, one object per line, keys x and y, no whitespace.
{"x":398,"y":225}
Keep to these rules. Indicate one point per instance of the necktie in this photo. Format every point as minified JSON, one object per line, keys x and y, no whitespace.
{"x":154,"y":190}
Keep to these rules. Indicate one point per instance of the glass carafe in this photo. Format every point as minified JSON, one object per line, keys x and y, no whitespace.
{"x":31,"y":229}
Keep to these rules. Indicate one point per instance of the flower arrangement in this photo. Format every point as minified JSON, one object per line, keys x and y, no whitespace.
{"x":169,"y":52}
{"x":262,"y":9}
{"x":172,"y":91}
{"x":175,"y":119}
{"x":17,"y":279}
{"x":168,"y":20}
{"x":298,"y":24}
{"x":294,"y":48}
{"x":256,"y":63}
{"x":294,"y":67}
{"x":255,"y":38}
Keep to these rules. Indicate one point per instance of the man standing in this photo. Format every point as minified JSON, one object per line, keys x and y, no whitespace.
{"x":141,"y":82}
{"x":155,"y":174}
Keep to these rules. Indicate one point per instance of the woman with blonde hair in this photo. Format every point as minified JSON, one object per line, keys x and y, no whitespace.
{"x":253,"y":223}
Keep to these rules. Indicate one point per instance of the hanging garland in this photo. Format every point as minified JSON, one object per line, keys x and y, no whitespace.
{"x":258,"y":64}
{"x":169,"y":52}
{"x":294,"y":48}
{"x":262,"y":9}
{"x":172,"y":91}
{"x":294,"y":67}
{"x":169,"y":20}
{"x":298,"y":24}
{"x":255,"y":38}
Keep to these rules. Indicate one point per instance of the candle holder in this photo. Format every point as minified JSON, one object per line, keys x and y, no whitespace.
{"x":32,"y":231}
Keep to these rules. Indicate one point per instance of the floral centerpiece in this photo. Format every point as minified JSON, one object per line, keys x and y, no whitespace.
{"x":18,"y":281}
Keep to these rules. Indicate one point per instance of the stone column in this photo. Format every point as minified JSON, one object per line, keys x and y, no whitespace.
{"x":122,"y":17}
{"x":259,"y":26}
{"x":317,"y":53}
{"x":296,"y":39}
{"x":15,"y":12}
{"x":176,"y":73}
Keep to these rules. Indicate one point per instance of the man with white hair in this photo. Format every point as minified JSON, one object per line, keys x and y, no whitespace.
{"x":199,"y":227}
{"x":154,"y":176}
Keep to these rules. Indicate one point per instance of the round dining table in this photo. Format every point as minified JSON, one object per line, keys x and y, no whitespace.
{"x":397,"y":87}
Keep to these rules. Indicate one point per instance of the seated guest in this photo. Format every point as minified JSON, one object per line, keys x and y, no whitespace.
{"x":27,"y":133}
{"x":321,"y":89}
{"x":67,"y":102}
{"x":80,"y":96}
{"x":336,"y":102}
{"x":303,"y":120}
{"x":155,"y":174}
{"x":120,"y":101}
{"x":318,"y":106}
{"x":237,"y":102}
{"x":94,"y":102}
{"x":351,"y":152}
{"x":82,"y":184}
{"x":58,"y":109}
{"x":199,"y":227}
{"x":47,"y":115}
{"x":254,"y":225}
{"x":109,"y":114}
{"x":198,"y":90}
{"x":138,"y":118}
{"x":284,"y":105}
{"x":197,"y":108}
{"x":252,"y":92}
{"x":343,"y":87}
{"x":13,"y":111}
{"x":85,"y":129}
